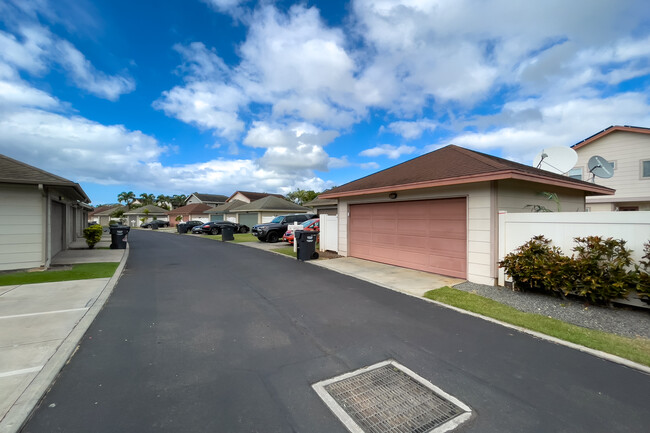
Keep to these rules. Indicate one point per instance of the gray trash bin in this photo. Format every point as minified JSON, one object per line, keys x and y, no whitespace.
{"x":306,"y":244}
{"x":227,"y":233}
{"x":119,"y":237}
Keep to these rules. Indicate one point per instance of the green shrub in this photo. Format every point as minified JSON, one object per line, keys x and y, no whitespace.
{"x":111,"y":222}
{"x":93,"y":234}
{"x":538,"y":266}
{"x":602,"y":269}
{"x":643,"y":286}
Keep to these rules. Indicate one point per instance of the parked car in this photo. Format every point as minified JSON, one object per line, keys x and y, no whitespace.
{"x":309,"y":225}
{"x":197,"y":230}
{"x":214,"y":227}
{"x":157,"y":223}
{"x":271,"y":232}
{"x":187,"y":226}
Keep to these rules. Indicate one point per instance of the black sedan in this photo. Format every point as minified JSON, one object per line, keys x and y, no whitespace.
{"x":214,"y":227}
{"x":157,"y":223}
{"x":187,"y":226}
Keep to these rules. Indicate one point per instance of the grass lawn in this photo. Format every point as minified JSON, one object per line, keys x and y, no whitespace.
{"x":239,"y":237}
{"x":288,"y":250}
{"x":634,"y":349}
{"x":78,"y":272}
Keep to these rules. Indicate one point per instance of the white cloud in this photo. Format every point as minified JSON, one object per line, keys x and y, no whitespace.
{"x":86,"y":77}
{"x":296,"y":147}
{"x":412,"y":130}
{"x":369,"y":165}
{"x":19,"y":94}
{"x":38,"y":49}
{"x":553,"y":123}
{"x":388,"y":150}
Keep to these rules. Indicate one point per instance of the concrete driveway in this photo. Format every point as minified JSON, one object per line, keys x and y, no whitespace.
{"x":204,"y":336}
{"x":40,"y":326}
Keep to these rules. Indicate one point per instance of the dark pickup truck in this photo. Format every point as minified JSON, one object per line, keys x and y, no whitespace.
{"x":271,"y":232}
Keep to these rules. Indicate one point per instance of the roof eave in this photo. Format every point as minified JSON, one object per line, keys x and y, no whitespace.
{"x":509,"y":174}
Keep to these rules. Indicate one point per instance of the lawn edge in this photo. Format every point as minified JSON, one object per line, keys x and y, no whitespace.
{"x":598,"y":353}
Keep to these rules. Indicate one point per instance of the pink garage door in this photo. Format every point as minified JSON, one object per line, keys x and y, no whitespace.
{"x":428,"y":235}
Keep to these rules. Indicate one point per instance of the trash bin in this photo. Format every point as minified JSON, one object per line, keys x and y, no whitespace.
{"x":119,"y":235}
{"x":227,"y":233}
{"x":306,"y":244}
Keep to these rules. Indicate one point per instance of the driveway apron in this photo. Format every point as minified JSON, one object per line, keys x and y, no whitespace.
{"x":204,"y":336}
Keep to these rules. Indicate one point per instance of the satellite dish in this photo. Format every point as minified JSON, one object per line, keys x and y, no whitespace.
{"x":556,"y":159}
{"x":599,"y":166}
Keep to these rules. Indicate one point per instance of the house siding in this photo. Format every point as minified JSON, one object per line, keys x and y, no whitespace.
{"x":626,"y":149}
{"x":513,"y":197}
{"x":21,"y":206}
{"x":480,"y":218}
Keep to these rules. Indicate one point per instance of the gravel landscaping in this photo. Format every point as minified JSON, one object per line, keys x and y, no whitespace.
{"x":622,"y":321}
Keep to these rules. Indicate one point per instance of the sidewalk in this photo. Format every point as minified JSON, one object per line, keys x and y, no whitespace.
{"x":40,"y":327}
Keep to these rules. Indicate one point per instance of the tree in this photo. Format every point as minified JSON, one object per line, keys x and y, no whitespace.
{"x":163,"y":201}
{"x":127,"y":197}
{"x":147,"y":199}
{"x":177,"y":200}
{"x":118,"y":214}
{"x":301,"y":196}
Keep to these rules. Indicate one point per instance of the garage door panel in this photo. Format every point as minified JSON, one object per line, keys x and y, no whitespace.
{"x":429,"y":235}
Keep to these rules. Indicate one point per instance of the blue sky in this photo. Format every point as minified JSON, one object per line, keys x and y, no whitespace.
{"x":170,"y":97}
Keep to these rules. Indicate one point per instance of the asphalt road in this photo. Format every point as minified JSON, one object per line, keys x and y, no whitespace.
{"x":201,"y":336}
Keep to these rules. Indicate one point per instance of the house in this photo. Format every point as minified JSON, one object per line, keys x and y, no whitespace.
{"x":149,"y":213}
{"x":190,"y":212}
{"x":221,"y":212}
{"x":322,"y":206}
{"x":439,"y":212}
{"x":104,"y":217}
{"x":248,"y":197}
{"x":41,"y":214}
{"x":92,"y":216}
{"x":265,"y":209}
{"x":211,"y":200}
{"x":628,"y":148}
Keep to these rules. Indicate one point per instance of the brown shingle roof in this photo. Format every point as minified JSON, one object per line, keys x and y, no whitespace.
{"x":226,"y":207}
{"x":13,"y":171}
{"x":190,"y":209}
{"x":455,"y":165}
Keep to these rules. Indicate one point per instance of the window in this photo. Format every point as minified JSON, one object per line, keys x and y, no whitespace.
{"x":576,"y":173}
{"x":645,"y":169}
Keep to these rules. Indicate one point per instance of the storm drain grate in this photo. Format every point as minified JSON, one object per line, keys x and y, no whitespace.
{"x":389,"y":398}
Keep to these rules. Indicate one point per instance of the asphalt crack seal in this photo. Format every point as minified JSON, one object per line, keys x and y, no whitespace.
{"x":388,"y":397}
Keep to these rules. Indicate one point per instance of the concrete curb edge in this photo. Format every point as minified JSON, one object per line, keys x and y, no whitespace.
{"x":23,"y":407}
{"x":594,"y":352}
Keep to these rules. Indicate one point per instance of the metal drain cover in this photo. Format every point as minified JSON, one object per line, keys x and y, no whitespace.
{"x":389,"y":398}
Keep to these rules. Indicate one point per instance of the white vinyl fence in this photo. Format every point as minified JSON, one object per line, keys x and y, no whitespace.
{"x":329,"y":232}
{"x":515,"y":229}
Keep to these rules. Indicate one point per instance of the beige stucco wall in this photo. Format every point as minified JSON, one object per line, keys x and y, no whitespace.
{"x":481,"y":224}
{"x":627,"y":150}
{"x":22,"y":227}
{"x":240,"y":197}
{"x":514,"y":197}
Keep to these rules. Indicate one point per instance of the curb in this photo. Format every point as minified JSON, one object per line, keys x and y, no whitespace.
{"x":598,"y":353}
{"x":23,"y":407}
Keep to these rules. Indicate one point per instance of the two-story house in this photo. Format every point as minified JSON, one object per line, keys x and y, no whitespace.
{"x":628,"y":149}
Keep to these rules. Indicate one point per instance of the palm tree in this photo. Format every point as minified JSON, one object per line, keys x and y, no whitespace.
{"x":178,"y":200}
{"x":146,"y":199}
{"x":127,"y":197}
{"x":163,"y":201}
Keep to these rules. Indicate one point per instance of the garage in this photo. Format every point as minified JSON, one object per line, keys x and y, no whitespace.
{"x":248,"y":219}
{"x":427,"y":235}
{"x":57,"y":227}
